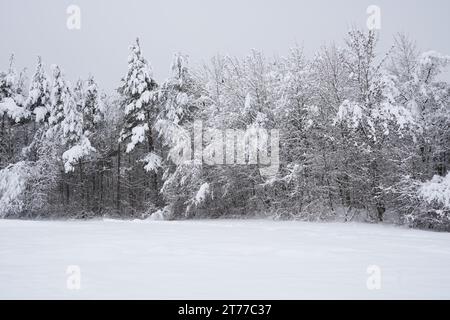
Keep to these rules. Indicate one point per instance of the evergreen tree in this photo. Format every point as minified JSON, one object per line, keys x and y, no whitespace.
{"x":38,"y":101}
{"x":138,"y":93}
{"x":179,"y":98}
{"x":59,"y":94}
{"x":93,"y":111}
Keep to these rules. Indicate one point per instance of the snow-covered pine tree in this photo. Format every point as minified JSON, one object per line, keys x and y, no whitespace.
{"x":37,"y":105}
{"x":73,"y":113}
{"x":179,"y":99}
{"x":9,"y":81}
{"x":59,"y":94}
{"x":66,"y":120}
{"x":75,"y":138}
{"x":176,"y":93}
{"x":38,"y":100}
{"x":12,"y":98}
{"x":93,"y":111}
{"x":138,"y":91}
{"x":12,"y":112}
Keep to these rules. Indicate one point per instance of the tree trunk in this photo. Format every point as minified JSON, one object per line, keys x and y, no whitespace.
{"x":118,"y":180}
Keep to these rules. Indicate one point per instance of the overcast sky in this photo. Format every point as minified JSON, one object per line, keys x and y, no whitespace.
{"x":200,"y":28}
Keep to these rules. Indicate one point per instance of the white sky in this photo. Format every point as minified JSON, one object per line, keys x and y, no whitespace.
{"x":200,"y":28}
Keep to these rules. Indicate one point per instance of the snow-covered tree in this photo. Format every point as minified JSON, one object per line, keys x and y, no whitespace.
{"x":371,"y":113}
{"x":9,"y":81}
{"x":12,"y":112}
{"x":138,"y":92}
{"x":38,"y":100}
{"x":427,"y":98}
{"x":66,"y":120}
{"x":73,"y":130}
{"x":176,"y":94}
{"x":179,"y":99}
{"x":93,"y":111}
{"x":12,"y":95}
{"x":59,"y":94}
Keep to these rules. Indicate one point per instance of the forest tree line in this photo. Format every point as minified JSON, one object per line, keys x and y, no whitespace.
{"x":363,"y":136}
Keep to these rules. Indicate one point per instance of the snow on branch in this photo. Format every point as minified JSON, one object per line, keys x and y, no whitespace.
{"x":152,"y":162}
{"x":137,"y":136}
{"x":202,"y":194}
{"x":437,"y":190}
{"x":77,"y":152}
{"x":11,"y":109}
{"x":13,"y":182}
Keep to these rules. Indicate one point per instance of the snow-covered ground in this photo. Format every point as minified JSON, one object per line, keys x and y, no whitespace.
{"x":224,"y":259}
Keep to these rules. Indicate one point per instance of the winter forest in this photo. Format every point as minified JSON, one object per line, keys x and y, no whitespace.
{"x":363,"y":136}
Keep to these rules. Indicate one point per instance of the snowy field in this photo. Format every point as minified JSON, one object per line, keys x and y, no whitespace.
{"x":224,"y":259}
